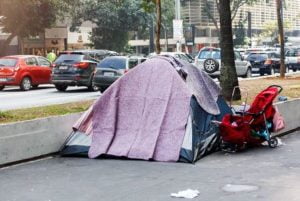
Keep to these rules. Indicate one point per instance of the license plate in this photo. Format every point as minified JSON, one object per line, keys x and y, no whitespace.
{"x":63,"y":67}
{"x":2,"y":79}
{"x":109,"y":74}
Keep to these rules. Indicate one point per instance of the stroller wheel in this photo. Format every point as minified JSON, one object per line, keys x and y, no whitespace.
{"x":273,"y":142}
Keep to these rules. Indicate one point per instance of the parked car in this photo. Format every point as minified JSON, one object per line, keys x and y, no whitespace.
{"x":26,"y":71}
{"x":178,"y":55}
{"x":75,"y":68}
{"x":111,"y":68}
{"x":292,"y":59}
{"x":264,"y":62}
{"x":98,"y":55}
{"x":209,"y":59}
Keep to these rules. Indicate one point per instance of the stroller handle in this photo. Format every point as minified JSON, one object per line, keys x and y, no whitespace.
{"x":277,"y":86}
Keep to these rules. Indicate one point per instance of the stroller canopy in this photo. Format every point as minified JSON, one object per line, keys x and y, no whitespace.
{"x":160,"y":110}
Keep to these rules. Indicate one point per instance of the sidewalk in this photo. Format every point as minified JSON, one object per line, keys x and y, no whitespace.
{"x":276,"y":173}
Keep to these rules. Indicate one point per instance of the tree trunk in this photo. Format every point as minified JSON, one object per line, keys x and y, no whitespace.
{"x":158,"y":26}
{"x":228,"y":78}
{"x":4,"y":47}
{"x":281,"y":37}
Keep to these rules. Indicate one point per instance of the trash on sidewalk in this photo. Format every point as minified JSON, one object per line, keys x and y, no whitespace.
{"x":189,"y":194}
{"x":282,"y":98}
{"x":279,"y":141}
{"x":232,"y":188}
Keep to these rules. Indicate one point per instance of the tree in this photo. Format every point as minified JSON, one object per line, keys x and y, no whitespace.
{"x":281,"y":36}
{"x":228,"y":78}
{"x":209,"y":8}
{"x":240,"y":34}
{"x":26,"y":18}
{"x":270,"y":31}
{"x":158,"y":26}
{"x":113,"y":21}
{"x":164,"y":16}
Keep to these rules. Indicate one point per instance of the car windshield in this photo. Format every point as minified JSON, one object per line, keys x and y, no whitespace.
{"x":113,"y":62}
{"x":8,"y":62}
{"x":206,"y":54}
{"x":257,"y":56}
{"x":69,"y":58}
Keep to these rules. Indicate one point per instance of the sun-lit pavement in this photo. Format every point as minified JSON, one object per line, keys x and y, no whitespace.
{"x":272,"y":174}
{"x":14,"y":98}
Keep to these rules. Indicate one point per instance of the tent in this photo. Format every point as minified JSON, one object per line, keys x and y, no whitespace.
{"x":161,"y":110}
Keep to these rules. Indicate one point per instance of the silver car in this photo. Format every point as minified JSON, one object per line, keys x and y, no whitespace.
{"x":209,"y":60}
{"x":113,"y":67}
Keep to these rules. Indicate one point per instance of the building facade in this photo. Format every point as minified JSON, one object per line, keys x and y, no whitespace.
{"x":58,"y":38}
{"x":195,"y":12}
{"x":262,"y":12}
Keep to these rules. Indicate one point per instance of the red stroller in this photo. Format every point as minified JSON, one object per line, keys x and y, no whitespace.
{"x":251,"y":127}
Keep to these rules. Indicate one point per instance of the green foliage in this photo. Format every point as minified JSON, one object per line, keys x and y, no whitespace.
{"x":112,"y":39}
{"x":27,"y":17}
{"x":240,"y":35}
{"x":270,"y":31}
{"x":112,"y":19}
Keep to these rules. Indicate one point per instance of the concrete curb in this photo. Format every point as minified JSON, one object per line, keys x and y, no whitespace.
{"x":290,"y":111}
{"x":31,"y":139}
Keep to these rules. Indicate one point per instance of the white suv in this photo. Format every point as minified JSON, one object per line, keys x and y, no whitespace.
{"x":209,"y":60}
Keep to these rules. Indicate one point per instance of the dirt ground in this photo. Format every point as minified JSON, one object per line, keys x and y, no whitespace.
{"x":290,"y":84}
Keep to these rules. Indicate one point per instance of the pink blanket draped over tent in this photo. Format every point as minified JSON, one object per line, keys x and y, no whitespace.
{"x":142,"y":115}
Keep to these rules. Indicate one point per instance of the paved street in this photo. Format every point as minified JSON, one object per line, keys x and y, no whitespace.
{"x":14,"y":98}
{"x":272,"y":174}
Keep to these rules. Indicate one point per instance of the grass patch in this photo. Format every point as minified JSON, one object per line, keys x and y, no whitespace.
{"x":40,"y":112}
{"x":290,"y":84}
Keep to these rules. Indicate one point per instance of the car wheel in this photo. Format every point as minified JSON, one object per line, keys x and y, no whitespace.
{"x":210,"y":65}
{"x":60,"y":87}
{"x":262,"y":73}
{"x":25,"y":84}
{"x":248,"y":73}
{"x":272,"y":71}
{"x":2,"y":87}
{"x":93,"y":87}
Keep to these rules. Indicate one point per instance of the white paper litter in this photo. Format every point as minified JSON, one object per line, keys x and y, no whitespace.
{"x":189,"y":194}
{"x":280,"y":143}
{"x":239,"y":188}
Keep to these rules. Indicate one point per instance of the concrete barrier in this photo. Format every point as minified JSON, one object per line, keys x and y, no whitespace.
{"x":290,"y":110}
{"x":29,"y":139}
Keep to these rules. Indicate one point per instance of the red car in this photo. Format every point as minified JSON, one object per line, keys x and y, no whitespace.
{"x":26,"y":71}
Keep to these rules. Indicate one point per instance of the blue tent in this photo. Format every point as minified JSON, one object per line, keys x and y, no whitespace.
{"x":201,"y":137}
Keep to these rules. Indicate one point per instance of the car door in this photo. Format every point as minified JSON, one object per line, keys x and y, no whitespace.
{"x":132,"y":62}
{"x":241,"y":65}
{"x":291,"y":57}
{"x":45,"y":68}
{"x":33,"y":69}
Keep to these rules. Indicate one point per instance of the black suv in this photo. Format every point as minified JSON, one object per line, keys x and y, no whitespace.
{"x":76,"y":68}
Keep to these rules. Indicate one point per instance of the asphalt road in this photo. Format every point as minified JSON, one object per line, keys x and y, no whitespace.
{"x":262,"y":174}
{"x":14,"y":98}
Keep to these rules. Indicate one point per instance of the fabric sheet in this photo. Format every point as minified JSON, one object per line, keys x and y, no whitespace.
{"x":142,"y":115}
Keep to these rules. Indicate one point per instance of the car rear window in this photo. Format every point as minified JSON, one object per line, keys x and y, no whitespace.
{"x":8,"y":62}
{"x":69,"y":58}
{"x":206,"y":54}
{"x":115,"y":63}
{"x":257,"y":56}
